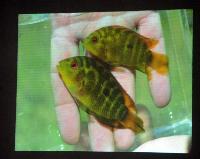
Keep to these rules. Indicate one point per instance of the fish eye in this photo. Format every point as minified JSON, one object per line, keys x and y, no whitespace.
{"x":94,"y":39}
{"x":74,"y":64}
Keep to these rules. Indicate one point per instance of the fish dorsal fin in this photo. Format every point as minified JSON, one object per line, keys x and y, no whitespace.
{"x":119,"y":26}
{"x":123,"y":28}
{"x":129,"y":103}
{"x":151,"y":43}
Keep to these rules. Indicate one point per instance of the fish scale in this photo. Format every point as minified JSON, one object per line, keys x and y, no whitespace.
{"x":126,"y":48}
{"x":104,"y":108}
{"x":136,"y":52}
{"x":96,"y":91}
{"x":91,"y":72}
{"x":117,"y":105}
{"x":111,"y":110}
{"x":103,"y":81}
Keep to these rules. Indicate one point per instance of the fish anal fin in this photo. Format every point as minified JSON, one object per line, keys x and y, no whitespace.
{"x":131,"y":121}
{"x":110,"y":124}
{"x":128,"y":102}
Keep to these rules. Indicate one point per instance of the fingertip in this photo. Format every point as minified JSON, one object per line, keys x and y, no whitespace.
{"x":101,"y":138}
{"x":160,"y":89}
{"x":61,"y":94}
{"x":69,"y":122}
{"x":124,"y":138}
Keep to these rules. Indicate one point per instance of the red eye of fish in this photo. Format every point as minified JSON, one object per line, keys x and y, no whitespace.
{"x":94,"y":39}
{"x":74,"y":65}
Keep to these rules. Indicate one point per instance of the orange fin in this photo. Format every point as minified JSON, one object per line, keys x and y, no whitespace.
{"x":131,"y":121}
{"x":158,"y":62}
{"x":151,"y":43}
{"x":129,"y":102}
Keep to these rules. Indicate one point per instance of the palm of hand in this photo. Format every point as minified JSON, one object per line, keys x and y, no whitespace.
{"x":67,"y":29}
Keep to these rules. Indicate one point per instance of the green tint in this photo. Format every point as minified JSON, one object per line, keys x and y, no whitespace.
{"x":25,"y":19}
{"x":176,"y":118}
{"x":36,"y":124}
{"x":82,"y":50}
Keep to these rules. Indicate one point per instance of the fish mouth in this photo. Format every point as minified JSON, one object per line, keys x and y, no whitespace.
{"x":58,"y":67}
{"x":59,"y":70}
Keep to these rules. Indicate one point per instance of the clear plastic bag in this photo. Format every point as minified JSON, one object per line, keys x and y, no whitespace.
{"x":36,"y":124}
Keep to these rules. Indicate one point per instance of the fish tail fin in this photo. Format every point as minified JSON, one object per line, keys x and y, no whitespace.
{"x":133,"y":122}
{"x":157,"y":62}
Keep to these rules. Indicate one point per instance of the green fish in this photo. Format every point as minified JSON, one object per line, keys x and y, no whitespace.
{"x":120,"y":46}
{"x":97,"y":92}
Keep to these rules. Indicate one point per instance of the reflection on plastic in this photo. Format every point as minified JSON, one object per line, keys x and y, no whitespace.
{"x":25,"y":19}
{"x":36,"y":127}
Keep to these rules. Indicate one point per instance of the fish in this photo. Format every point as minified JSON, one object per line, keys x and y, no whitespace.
{"x":97,"y":92}
{"x":120,"y":46}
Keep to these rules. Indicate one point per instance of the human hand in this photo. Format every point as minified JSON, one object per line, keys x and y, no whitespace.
{"x":67,"y":30}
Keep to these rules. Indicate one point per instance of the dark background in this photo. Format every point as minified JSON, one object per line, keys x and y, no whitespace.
{"x":8,"y":68}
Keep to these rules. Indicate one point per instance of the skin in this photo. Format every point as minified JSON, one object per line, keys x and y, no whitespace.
{"x":121,"y":46}
{"x":67,"y":29}
{"x":91,"y":83}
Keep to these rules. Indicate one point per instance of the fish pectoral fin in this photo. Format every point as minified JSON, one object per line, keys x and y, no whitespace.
{"x":131,"y":121}
{"x":82,"y":106}
{"x":151,"y":43}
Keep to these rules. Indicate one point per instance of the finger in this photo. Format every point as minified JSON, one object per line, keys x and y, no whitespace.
{"x":97,"y":20}
{"x":133,"y":17}
{"x":159,"y":84}
{"x":107,"y":18}
{"x":66,"y":111}
{"x":64,"y":19}
{"x":69,"y":122}
{"x":63,"y":46}
{"x":101,"y":137}
{"x":104,"y":141}
{"x":124,"y":138}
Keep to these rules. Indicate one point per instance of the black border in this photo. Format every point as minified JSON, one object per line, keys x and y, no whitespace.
{"x":8,"y":70}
